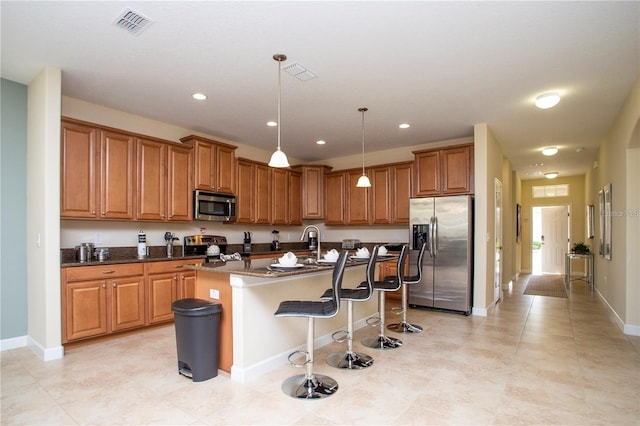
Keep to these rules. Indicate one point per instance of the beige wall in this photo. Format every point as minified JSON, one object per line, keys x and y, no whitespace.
{"x":576,"y":202}
{"x":43,"y":221}
{"x":618,"y":279}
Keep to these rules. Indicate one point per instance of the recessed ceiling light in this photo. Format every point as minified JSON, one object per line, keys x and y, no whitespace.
{"x":320,"y":142}
{"x":272,"y":123}
{"x":551,"y":175}
{"x":199,"y":96}
{"x":580,"y":149}
{"x":404,"y":126}
{"x":552,"y":150}
{"x":547,"y":100}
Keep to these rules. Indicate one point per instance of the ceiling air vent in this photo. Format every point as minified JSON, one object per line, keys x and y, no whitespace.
{"x":299,"y":72}
{"x":132,"y":21}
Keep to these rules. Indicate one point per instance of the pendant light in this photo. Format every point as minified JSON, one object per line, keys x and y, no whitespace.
{"x":363,"y":181}
{"x":279,"y":158}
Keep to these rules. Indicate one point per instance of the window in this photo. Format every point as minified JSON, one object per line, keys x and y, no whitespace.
{"x":551,"y":191}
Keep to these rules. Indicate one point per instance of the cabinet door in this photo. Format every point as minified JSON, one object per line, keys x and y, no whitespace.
{"x":334,"y":199}
{"x":84,"y":310}
{"x":187,"y":285}
{"x":245,"y":206}
{"x":78,"y":171}
{"x":225,"y":174}
{"x":151,"y":201}
{"x":295,"y":198}
{"x":262,"y":194}
{"x":357,"y":212}
{"x":117,"y":175}
{"x":204,"y":154}
{"x":313,"y":192}
{"x":401,"y":193}
{"x":127,"y":303}
{"x":180,"y":195}
{"x":456,"y":170}
{"x":381,"y":195}
{"x":161,"y":292}
{"x":428,"y":174}
{"x":280,"y":199}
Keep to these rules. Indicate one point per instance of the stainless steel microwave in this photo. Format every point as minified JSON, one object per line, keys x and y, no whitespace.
{"x":214,"y":207}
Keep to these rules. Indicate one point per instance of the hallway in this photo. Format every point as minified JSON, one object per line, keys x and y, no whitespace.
{"x":533,"y":360}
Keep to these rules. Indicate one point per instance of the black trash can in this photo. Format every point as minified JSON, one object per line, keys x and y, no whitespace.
{"x":197,"y":337}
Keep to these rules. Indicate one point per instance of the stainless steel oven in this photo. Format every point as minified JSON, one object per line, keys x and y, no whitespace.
{"x":214,"y":207}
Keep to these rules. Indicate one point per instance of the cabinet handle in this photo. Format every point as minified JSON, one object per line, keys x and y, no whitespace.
{"x":93,"y":212}
{"x":163,"y":216}
{"x":179,"y":266}
{"x":104,"y":285}
{"x":175,"y":278}
{"x":108,"y":272}
{"x":103,"y":214}
{"x":114,"y":285}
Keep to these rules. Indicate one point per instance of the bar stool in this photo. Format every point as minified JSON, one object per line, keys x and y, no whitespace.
{"x":309,"y":385}
{"x":351,"y":360}
{"x":403,"y":326}
{"x":382,"y":341}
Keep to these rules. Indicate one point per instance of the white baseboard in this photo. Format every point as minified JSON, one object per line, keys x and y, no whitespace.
{"x":507,"y":286}
{"x":13,"y":343}
{"x":251,"y":372}
{"x":628,"y":329}
{"x":481,"y":312}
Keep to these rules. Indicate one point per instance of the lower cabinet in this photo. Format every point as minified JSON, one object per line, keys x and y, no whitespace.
{"x":166,"y":283}
{"x":104,"y":299}
{"x":98,"y":300}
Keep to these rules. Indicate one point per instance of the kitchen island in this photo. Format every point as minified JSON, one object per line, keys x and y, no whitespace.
{"x":252,"y":340}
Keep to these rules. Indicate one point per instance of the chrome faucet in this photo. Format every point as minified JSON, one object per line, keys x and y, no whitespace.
{"x":304,"y":232}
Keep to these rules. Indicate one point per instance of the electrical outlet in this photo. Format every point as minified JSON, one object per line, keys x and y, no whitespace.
{"x":98,"y":239}
{"x":214,"y":294}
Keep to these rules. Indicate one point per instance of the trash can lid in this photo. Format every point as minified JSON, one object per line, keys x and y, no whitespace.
{"x":195,"y":307}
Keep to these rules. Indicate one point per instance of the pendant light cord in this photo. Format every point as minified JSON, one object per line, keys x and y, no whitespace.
{"x":363,"y":110}
{"x":279,"y":99}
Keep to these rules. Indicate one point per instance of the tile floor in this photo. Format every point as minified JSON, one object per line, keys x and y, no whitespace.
{"x":533,"y":360}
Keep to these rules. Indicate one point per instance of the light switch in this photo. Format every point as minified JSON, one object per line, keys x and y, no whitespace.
{"x":214,"y":294}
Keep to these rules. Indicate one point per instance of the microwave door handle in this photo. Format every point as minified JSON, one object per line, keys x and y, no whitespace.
{"x":228,"y":217}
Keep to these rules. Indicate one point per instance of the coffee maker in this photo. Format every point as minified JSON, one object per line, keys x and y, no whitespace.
{"x":275,"y":244}
{"x":313,"y":240}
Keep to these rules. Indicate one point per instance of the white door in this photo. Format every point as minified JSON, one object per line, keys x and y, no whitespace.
{"x":497,"y":280}
{"x":555,"y":234}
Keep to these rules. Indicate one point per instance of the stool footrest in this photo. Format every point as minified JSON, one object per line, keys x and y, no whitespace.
{"x":298,"y":353}
{"x":340,"y":336}
{"x":373,"y":321}
{"x":397,"y":310}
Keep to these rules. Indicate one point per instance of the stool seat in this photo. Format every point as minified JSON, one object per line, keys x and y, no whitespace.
{"x":310,"y":385}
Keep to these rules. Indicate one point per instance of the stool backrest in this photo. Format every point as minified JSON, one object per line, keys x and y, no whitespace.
{"x":402,"y":260}
{"x":415,"y":279}
{"x":371,"y":271}
{"x":338,"y":274}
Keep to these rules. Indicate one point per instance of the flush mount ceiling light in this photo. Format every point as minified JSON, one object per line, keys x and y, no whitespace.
{"x":552,"y":150}
{"x":404,"y":125}
{"x":279,"y":158}
{"x":363,"y":181}
{"x":547,"y":100}
{"x":272,"y":123}
{"x":551,"y":175}
{"x":199,"y":96}
{"x":320,"y":142}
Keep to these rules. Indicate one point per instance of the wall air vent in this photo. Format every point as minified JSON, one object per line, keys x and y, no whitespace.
{"x":299,"y":72}
{"x":132,"y":21}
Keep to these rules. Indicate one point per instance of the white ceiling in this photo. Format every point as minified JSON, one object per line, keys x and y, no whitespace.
{"x":440,"y":66}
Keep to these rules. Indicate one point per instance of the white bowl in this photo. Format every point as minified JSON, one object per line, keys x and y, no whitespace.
{"x":382,"y":250}
{"x":289,"y":259}
{"x":331,"y":256}
{"x":363,"y":252}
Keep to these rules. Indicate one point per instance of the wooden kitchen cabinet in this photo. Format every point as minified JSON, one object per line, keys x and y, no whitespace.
{"x":286,"y":200}
{"x":295,"y":199}
{"x":401,"y":192}
{"x":382,"y":181}
{"x":254,"y":192}
{"x":99,"y":300}
{"x":97,"y":172}
{"x":215,"y":162}
{"x":346,"y":204}
{"x":444,"y":171}
{"x":164,"y":185}
{"x":335,"y":198}
{"x":312,"y":190}
{"x":167,"y":282}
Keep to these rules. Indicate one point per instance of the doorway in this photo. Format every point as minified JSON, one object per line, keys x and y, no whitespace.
{"x":550,"y":238}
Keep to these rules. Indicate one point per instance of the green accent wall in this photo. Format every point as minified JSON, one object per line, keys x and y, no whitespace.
{"x":13,"y":205}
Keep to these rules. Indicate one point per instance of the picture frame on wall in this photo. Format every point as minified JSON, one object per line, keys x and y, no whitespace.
{"x":607,"y":199}
{"x":601,"y":214}
{"x":590,"y":222}
{"x":518,"y":223}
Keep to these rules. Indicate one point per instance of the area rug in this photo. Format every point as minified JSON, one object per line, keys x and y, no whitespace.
{"x":546,"y":285}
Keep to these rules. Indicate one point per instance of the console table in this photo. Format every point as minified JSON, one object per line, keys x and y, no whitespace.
{"x":588,"y":257}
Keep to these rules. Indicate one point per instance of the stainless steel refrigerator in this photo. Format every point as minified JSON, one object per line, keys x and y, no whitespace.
{"x":446,"y":225}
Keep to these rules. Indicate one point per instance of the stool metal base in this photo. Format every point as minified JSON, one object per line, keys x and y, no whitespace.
{"x":381,"y":342}
{"x":404,"y":327}
{"x":349,"y":360}
{"x":315,"y":387}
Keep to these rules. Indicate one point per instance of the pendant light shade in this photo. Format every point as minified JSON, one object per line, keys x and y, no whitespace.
{"x":363,"y":181}
{"x":279,"y":158}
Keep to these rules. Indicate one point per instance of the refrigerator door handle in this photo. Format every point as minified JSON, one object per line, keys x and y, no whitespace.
{"x":434,"y":236}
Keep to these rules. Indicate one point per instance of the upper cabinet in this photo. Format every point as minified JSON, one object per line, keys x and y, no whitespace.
{"x":97,"y":172}
{"x":444,"y":171}
{"x":110,"y":174}
{"x":214,"y":164}
{"x":286,"y":200}
{"x":312,"y":190}
{"x":390,"y":193}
